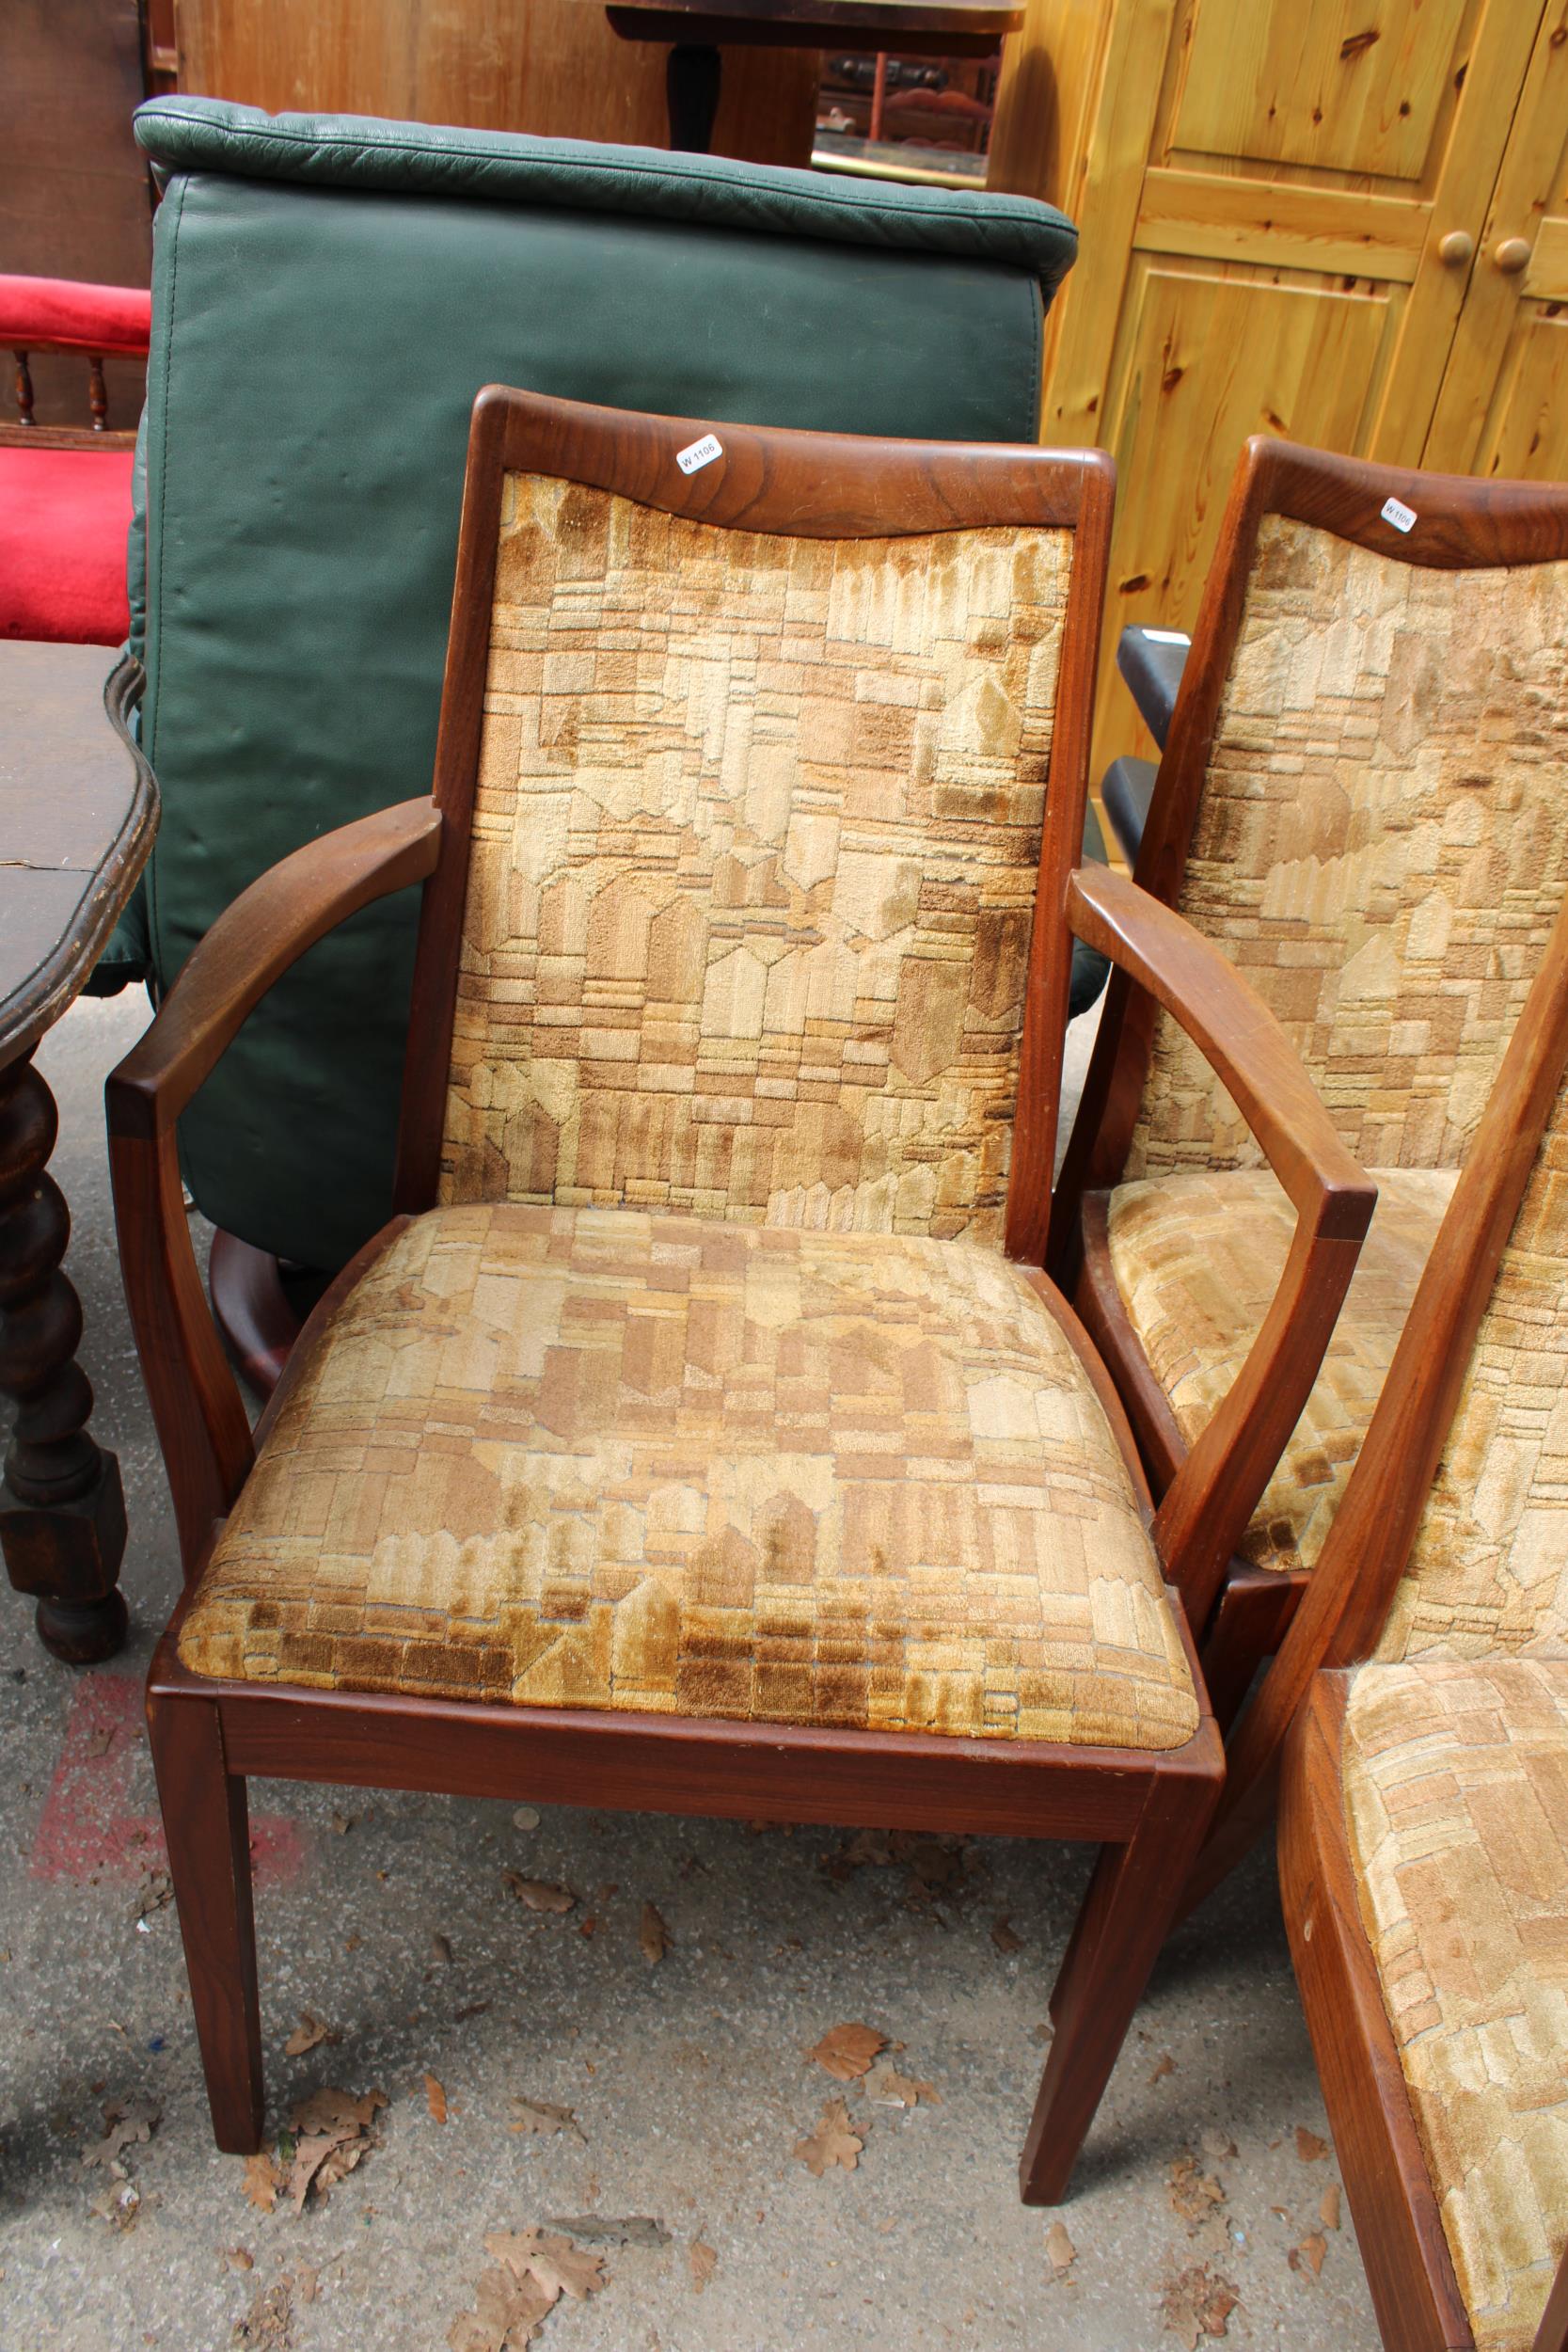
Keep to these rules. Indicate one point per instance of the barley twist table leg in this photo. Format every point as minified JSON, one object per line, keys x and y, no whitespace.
{"x":62,"y":1515}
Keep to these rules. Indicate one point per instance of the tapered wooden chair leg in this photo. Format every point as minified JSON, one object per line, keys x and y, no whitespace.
{"x":1131,"y":1901}
{"x":206,"y":1819}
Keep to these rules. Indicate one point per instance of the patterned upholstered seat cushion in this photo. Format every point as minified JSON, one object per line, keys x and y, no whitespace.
{"x":1456,"y":1803}
{"x":1198,"y":1258}
{"x":597,"y":1459}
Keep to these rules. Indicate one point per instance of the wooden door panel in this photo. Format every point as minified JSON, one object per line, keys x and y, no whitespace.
{"x":1507,"y":345}
{"x":1524,"y":434}
{"x":1339,"y":85}
{"x":1216,"y":217}
{"x":1276,"y":197}
{"x":1208,"y":358}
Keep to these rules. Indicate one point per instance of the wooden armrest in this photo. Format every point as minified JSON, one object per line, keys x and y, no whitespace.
{"x":251,"y":947}
{"x":201,"y":1421}
{"x":1209,"y":1502}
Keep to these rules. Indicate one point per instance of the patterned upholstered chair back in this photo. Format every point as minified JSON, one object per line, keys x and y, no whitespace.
{"x":1488,"y":1570}
{"x":1374,"y":811}
{"x":756,"y":835}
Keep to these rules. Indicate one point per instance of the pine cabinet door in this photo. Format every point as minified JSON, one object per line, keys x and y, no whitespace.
{"x":1503,"y":406}
{"x":1280,"y":202}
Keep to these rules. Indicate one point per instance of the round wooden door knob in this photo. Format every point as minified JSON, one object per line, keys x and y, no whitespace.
{"x":1512,"y":255}
{"x":1456,"y":248}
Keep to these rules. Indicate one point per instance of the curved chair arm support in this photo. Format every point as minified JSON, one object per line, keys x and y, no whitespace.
{"x":1209,"y":1501}
{"x":201,"y":1422}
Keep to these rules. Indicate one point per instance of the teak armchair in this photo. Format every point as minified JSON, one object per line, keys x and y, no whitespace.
{"x":1420,"y":1704}
{"x":1361,"y":800}
{"x":701,"y":1434}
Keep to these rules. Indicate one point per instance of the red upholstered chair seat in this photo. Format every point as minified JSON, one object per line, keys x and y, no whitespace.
{"x":64,"y":516}
{"x":65,"y":513}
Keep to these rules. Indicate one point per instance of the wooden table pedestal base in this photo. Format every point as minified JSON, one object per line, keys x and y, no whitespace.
{"x":62,"y":1512}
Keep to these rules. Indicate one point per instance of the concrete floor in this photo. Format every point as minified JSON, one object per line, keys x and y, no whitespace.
{"x":390,"y":1920}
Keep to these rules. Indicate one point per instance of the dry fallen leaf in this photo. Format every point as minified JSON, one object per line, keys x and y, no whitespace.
{"x":1166,"y":2066}
{"x":505,"y":2315}
{"x":610,"y":2229}
{"x":1060,"y":2250}
{"x":1309,"y":2148}
{"x":866,"y":1846}
{"x":613,"y":2228}
{"x":538,"y":1894}
{"x":117,"y":2202}
{"x":262,"y":2180}
{"x":652,"y":1936}
{"x":1310,"y":2252}
{"x":1328,"y":2211}
{"x":834,"y":2141}
{"x":553,"y":2263}
{"x":155,"y":1893}
{"x":310,"y":2157}
{"x":848,"y":2051}
{"x":1199,"y":2302}
{"x":436,"y":2098}
{"x":310,"y":2032}
{"x":889,"y":2089}
{"x":440,"y":1949}
{"x":329,"y":2110}
{"x":1192,"y":2194}
{"x":240,"y":2258}
{"x":537,"y":2115}
{"x":935,"y":1864}
{"x":125,"y":2122}
{"x":305,"y":2282}
{"x":269,"y":2322}
{"x":702,"y":2259}
{"x":1006,"y":1936}
{"x":330,"y":2126}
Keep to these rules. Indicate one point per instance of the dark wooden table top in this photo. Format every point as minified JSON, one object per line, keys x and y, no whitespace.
{"x":942,"y":27}
{"x":78,"y":810}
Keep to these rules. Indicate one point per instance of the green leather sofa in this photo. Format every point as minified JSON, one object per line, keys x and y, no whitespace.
{"x":329,"y":294}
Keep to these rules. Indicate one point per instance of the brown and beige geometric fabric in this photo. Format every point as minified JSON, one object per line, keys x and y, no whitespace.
{"x":1488,"y":1570}
{"x":1457,"y":1801}
{"x":755,"y":843}
{"x":600,"y":1458}
{"x":1380,"y":842}
{"x":1198,"y":1258}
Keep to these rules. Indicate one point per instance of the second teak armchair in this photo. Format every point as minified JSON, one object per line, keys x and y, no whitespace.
{"x":1361,"y":800}
{"x":702,"y":1434}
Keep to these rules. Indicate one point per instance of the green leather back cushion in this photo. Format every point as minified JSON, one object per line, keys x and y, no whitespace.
{"x":328,"y":296}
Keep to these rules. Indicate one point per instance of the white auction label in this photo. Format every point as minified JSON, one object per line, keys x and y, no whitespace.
{"x":1396,"y":512}
{"x":699,"y":454}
